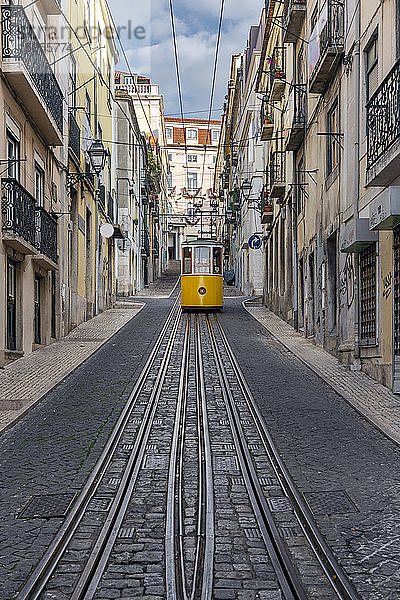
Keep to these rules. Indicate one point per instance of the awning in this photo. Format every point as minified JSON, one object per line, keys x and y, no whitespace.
{"x":384,"y":210}
{"x":356,"y":236}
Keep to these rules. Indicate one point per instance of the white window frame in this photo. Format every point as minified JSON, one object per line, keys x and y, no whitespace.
{"x":168,"y":132}
{"x":192,"y":158}
{"x":189,"y":133}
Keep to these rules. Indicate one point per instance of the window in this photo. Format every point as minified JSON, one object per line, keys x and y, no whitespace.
{"x":170,"y":185}
{"x":215,"y":135}
{"x":300,"y":188}
{"x":72,"y":82}
{"x":192,"y":181}
{"x":168,"y":132}
{"x":372,"y":67}
{"x":217,"y":260}
{"x":368,"y":294}
{"x":39,"y":184}
{"x":170,"y":157}
{"x":88,"y":107}
{"x":202,"y":260}
{"x":333,"y":150}
{"x":192,"y":158}
{"x":187,"y":260}
{"x":13,"y":155}
{"x":214,"y":159}
{"x":191,"y":134}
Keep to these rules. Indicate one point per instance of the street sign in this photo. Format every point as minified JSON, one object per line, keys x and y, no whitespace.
{"x":106,"y":230}
{"x":255,"y":242}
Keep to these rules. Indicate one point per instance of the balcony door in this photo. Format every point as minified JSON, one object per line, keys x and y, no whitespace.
{"x":11,"y":305}
{"x":13,"y":156}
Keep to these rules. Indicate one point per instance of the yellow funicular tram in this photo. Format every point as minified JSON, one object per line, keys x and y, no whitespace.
{"x":201,"y":275}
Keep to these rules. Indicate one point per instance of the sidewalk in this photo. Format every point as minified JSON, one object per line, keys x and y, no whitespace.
{"x":24,"y":382}
{"x":371,"y":399}
{"x":165,"y":285}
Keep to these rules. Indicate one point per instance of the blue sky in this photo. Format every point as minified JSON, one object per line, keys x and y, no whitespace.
{"x":196,"y":25}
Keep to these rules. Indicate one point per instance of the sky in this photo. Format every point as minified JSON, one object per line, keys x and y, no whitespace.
{"x":145,"y":28}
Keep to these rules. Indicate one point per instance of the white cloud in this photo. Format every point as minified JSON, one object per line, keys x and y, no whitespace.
{"x":196,"y":25}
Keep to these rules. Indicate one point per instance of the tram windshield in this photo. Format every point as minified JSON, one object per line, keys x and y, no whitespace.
{"x":187,"y":260}
{"x":202,"y":260}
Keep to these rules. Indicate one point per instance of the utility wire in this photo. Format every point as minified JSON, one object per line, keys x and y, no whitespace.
{"x":221,"y":16}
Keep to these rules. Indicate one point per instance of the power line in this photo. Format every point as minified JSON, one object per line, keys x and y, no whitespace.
{"x":178,"y":78}
{"x":221,"y":16}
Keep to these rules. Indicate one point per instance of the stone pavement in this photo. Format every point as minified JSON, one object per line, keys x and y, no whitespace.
{"x":24,"y":382}
{"x":165,"y":285}
{"x":371,"y":399}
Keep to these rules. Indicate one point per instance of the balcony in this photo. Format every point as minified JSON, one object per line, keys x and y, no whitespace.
{"x":27,"y":70}
{"x":267,"y":122}
{"x":277,"y":73}
{"x":27,"y":228}
{"x":145,"y":242}
{"x":326,"y":46}
{"x":267,"y":208}
{"x":46,"y":237}
{"x":277,"y":174}
{"x":296,"y":118}
{"x":74,"y":137}
{"x":294,"y":14}
{"x":383,"y":131}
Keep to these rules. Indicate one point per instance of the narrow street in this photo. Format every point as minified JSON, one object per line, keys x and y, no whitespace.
{"x":194,"y":456}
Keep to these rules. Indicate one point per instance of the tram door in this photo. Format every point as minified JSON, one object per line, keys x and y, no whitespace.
{"x":11,"y":305}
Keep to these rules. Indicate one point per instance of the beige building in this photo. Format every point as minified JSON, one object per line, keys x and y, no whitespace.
{"x":192,"y":149}
{"x":32,"y":126}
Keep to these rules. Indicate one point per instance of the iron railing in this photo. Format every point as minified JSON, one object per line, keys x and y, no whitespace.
{"x":332,"y":34}
{"x":22,"y":216}
{"x":74,"y":136}
{"x":19,"y":43}
{"x":18,"y":210}
{"x":278,"y":64}
{"x":277,"y":168}
{"x":145,"y":241}
{"x":288,"y":6}
{"x":267,"y":115}
{"x":46,"y":233}
{"x":383,"y":116}
{"x":300,"y":105}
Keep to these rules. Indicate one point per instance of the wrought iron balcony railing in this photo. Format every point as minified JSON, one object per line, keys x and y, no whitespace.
{"x":145,"y":241}
{"x":74,"y":136}
{"x":46,"y":233}
{"x":332,"y":34}
{"x":300,"y":105}
{"x":18,"y":210}
{"x":278,"y":64}
{"x":277,"y":168}
{"x":383,"y":116}
{"x":20,"y":44}
{"x":23,"y":217}
{"x":326,"y":46}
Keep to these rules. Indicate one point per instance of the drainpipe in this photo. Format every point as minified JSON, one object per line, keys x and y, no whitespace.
{"x":357,"y":65}
{"x":295,"y":267}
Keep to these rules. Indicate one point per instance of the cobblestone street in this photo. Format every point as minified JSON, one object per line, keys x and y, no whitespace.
{"x":153,"y":470}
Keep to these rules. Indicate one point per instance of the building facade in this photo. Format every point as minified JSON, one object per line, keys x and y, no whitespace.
{"x":327,"y":74}
{"x":192,"y":151}
{"x":149,"y":109}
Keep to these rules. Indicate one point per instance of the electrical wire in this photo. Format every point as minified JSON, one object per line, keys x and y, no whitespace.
{"x":221,"y":16}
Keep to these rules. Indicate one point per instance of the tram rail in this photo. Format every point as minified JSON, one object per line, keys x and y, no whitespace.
{"x":91,"y":575}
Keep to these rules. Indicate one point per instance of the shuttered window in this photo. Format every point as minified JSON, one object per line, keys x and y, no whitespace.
{"x":372,"y":68}
{"x":368,"y":294}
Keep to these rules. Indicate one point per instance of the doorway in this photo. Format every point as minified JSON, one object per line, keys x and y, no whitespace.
{"x":11,"y":305}
{"x":37,"y":310}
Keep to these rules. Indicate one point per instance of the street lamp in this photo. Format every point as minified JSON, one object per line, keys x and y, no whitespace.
{"x":246,"y":188}
{"x":97,"y":155}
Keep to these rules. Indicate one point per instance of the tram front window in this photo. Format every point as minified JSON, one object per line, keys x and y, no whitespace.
{"x":202,"y":260}
{"x":217,"y":260}
{"x":187,"y":260}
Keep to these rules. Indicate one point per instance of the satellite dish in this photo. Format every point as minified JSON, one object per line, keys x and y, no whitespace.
{"x":107,"y":230}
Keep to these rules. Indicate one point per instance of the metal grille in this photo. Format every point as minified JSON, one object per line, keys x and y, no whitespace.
{"x":396,"y":290}
{"x":368,"y":293}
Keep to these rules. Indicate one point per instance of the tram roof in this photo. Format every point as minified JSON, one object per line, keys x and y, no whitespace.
{"x":202,"y":242}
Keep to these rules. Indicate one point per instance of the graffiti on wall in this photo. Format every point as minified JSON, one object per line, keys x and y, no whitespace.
{"x":387,"y":286}
{"x":347,"y":281}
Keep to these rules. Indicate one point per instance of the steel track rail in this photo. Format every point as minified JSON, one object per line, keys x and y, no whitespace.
{"x":176,"y":582}
{"x":340,"y":582}
{"x":41,"y":575}
{"x":288,"y":578}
